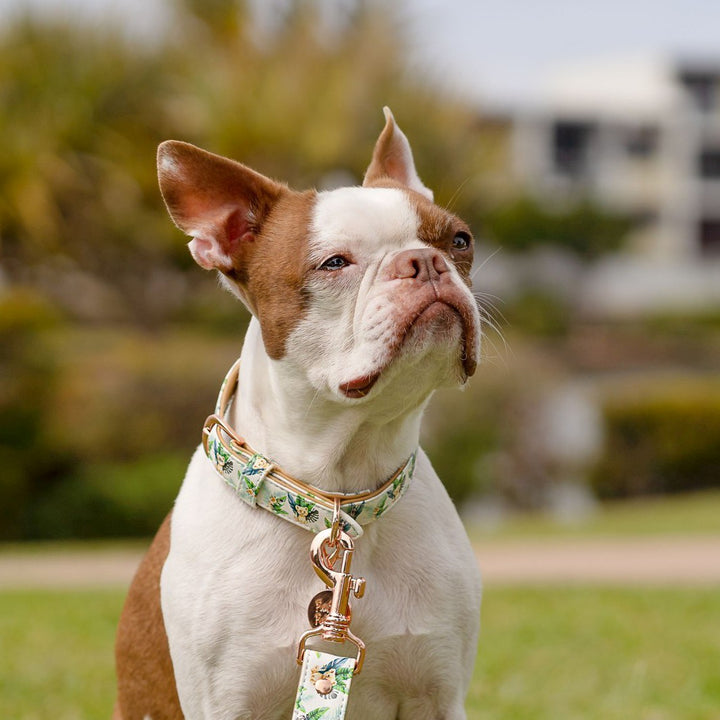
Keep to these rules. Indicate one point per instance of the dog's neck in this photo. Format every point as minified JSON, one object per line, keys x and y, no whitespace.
{"x":336,"y":447}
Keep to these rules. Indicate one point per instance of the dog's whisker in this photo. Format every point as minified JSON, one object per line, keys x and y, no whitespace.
{"x":488,"y":312}
{"x":491,"y":321}
{"x":451,"y":203}
{"x":488,"y":306}
{"x":310,"y":404}
{"x":496,"y":353}
{"x":506,"y":347}
{"x":484,"y":263}
{"x":487,"y":296}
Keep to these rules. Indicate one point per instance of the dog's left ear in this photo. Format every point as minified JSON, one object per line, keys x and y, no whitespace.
{"x":220,"y":203}
{"x":393,"y":159}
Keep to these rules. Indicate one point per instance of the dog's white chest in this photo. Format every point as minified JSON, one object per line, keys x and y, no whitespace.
{"x":237,"y":582}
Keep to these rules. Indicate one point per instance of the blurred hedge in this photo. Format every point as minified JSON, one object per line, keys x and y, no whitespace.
{"x":583,"y":228}
{"x":661,"y":439}
{"x":28,"y":373}
{"x":97,"y":425}
{"x":108,"y":499}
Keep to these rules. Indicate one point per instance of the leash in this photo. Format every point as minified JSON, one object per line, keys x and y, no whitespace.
{"x":325,"y":677}
{"x":335,"y":518}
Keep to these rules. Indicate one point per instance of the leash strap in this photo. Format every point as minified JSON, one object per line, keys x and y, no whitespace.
{"x":257,"y":481}
{"x":324,"y":686}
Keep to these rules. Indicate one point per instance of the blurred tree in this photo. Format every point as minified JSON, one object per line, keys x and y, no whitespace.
{"x":29,"y":461}
{"x":583,"y":229}
{"x":82,"y":110}
{"x":83,"y":230}
{"x":80,"y":114}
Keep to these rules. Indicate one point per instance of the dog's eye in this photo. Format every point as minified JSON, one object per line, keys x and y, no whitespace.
{"x":461,"y":241}
{"x":336,"y":262}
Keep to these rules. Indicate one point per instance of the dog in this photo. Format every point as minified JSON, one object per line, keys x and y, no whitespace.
{"x":361,"y":307}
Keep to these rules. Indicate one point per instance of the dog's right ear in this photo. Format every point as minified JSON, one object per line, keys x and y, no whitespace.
{"x":393,"y":159}
{"x":219,"y":202}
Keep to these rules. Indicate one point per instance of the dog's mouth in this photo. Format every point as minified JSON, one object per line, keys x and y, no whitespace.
{"x":361,"y":386}
{"x":446,"y":307}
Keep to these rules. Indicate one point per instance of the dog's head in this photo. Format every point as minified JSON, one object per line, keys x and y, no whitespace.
{"x":353,"y":287}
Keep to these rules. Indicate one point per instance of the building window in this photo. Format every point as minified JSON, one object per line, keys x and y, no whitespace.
{"x":709,"y":236}
{"x":702,"y":88}
{"x":641,"y":141}
{"x":709,"y":164}
{"x":571,"y":145}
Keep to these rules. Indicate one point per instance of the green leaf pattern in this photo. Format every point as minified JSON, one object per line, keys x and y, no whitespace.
{"x":380,"y":507}
{"x":276,"y":504}
{"x":305,"y":511}
{"x":252,"y":479}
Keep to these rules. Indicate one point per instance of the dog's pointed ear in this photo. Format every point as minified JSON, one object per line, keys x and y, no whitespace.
{"x":220,"y":203}
{"x":393,"y":159}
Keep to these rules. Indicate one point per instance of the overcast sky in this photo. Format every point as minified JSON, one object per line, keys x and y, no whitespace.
{"x":502,"y":49}
{"x":505,"y":48}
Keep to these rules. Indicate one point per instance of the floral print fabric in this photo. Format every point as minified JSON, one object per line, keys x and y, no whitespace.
{"x":324,"y":686}
{"x":252,"y":478}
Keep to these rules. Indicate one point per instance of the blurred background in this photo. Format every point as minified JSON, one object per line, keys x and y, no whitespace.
{"x":581,"y":141}
{"x":592,"y":185}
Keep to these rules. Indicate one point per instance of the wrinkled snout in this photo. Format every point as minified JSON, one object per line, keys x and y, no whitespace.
{"x":421,"y":264}
{"x":429,"y":291}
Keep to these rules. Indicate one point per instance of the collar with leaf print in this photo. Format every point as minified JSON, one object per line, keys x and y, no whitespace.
{"x":257,"y":481}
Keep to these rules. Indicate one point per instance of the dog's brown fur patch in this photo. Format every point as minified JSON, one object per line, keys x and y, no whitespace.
{"x":438,"y":228}
{"x":273,"y":277}
{"x":146,"y":681}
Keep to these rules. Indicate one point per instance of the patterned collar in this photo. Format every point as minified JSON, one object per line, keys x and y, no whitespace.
{"x":260,"y":483}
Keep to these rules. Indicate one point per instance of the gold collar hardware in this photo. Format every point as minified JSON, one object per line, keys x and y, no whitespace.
{"x":325,"y":555}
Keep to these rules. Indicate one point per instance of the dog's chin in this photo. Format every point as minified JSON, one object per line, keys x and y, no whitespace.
{"x":433,"y":345}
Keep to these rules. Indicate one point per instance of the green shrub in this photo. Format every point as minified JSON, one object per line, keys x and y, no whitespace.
{"x":539,"y":312}
{"x":584,"y":229}
{"x":28,"y":373}
{"x":97,"y":426}
{"x":109,"y":500}
{"x":661,"y":440}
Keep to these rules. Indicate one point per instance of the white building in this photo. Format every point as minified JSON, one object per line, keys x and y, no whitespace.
{"x":641,"y":136}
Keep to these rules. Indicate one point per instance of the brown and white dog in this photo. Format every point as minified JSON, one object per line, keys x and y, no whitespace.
{"x":361,"y":308}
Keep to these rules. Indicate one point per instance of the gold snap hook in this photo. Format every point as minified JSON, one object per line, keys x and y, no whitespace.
{"x":336,"y":625}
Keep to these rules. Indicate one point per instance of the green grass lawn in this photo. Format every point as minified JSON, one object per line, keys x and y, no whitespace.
{"x":589,"y":654}
{"x":56,"y":654}
{"x":545,"y":654}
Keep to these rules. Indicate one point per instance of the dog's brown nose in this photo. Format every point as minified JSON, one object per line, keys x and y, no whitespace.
{"x":424,"y":264}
